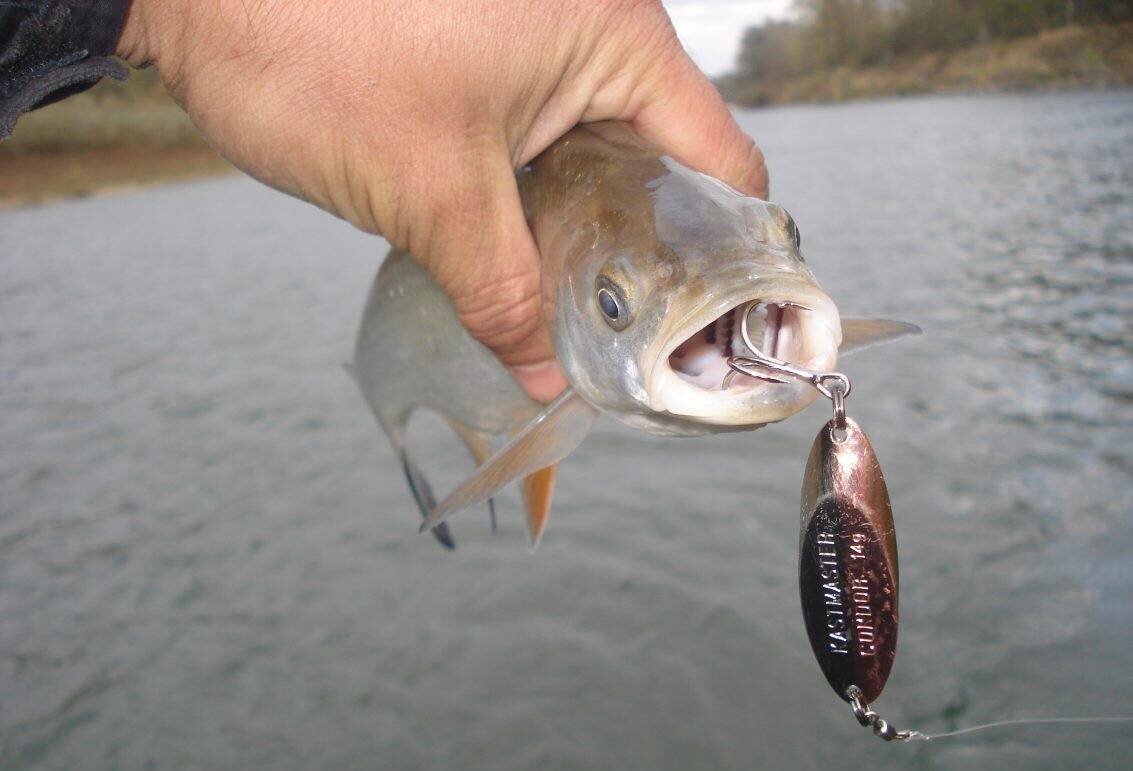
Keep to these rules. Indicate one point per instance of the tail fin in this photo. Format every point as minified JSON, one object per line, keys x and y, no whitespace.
{"x":426,"y":502}
{"x":394,"y":424}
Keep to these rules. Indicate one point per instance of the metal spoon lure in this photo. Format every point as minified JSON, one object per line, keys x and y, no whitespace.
{"x":847,"y":548}
{"x":848,"y":576}
{"x":848,"y":555}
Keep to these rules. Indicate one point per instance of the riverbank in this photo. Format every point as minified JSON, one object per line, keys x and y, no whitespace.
{"x":123,"y":135}
{"x":33,"y":178}
{"x":1065,"y":58}
{"x":111,"y":137}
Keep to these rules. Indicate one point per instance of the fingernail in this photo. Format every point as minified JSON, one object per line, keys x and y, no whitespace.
{"x":542,"y":382}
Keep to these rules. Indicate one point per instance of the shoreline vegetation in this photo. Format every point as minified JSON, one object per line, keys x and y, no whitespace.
{"x":124,"y":135}
{"x":1070,"y":58}
{"x":839,"y":50}
{"x":114,"y":136}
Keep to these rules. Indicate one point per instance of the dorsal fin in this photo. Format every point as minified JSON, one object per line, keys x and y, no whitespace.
{"x":864,"y":333}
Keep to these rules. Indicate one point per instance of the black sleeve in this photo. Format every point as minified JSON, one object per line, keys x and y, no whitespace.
{"x":50,"y":49}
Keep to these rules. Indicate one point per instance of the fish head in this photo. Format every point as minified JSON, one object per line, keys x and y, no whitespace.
{"x":648,"y":312}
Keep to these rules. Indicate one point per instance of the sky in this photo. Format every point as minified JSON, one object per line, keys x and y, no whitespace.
{"x":711,"y":29}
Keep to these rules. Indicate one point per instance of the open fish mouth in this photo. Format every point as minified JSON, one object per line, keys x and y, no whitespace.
{"x":692,"y":377}
{"x":702,"y":360}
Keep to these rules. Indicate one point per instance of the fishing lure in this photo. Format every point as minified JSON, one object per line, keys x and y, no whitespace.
{"x":848,"y":576}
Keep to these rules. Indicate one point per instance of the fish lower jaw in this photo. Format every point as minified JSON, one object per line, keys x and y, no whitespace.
{"x":753,"y":410}
{"x":693,"y":382}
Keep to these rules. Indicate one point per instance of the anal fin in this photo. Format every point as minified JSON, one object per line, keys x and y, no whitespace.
{"x":538,"y":488}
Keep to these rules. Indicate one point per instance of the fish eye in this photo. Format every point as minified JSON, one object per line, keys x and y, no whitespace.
{"x":612,"y":303}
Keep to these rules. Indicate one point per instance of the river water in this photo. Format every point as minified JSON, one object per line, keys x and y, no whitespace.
{"x":208,"y":558}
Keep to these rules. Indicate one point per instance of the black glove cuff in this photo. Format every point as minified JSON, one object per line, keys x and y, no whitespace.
{"x":50,"y":49}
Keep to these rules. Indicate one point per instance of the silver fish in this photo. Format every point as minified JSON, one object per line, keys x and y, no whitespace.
{"x":645,"y":267}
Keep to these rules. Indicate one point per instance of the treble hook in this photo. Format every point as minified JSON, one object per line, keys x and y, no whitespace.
{"x":835,"y":386}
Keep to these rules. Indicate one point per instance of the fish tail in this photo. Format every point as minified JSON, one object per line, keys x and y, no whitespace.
{"x":426,"y":501}
{"x":394,"y":426}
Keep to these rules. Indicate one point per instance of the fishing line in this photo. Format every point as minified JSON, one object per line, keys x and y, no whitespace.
{"x":919,"y":736}
{"x":867,"y":717}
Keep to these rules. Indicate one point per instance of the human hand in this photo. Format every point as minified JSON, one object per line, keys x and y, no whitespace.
{"x":409,"y":118}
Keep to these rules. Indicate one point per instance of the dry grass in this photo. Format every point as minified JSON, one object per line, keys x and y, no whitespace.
{"x":137,"y":112}
{"x":115,"y":135}
{"x":1063,"y":58}
{"x":34,"y":177}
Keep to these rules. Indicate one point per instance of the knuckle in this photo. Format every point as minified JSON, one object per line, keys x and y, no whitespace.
{"x":741,"y":160}
{"x":502,"y":314}
{"x":756,"y":179}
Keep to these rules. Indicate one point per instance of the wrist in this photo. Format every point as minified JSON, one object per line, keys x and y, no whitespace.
{"x":152,"y":33}
{"x":132,"y":43}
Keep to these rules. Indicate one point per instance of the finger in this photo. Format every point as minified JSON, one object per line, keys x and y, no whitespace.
{"x":685,"y":115}
{"x":483,"y":256}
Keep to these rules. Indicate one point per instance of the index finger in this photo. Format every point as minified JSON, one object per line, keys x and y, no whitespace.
{"x":686,"y":116}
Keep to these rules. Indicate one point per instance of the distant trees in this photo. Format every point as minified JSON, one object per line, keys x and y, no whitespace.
{"x":855,"y":33}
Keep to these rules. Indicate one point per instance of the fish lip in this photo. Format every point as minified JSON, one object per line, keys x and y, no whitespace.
{"x":780,"y":289}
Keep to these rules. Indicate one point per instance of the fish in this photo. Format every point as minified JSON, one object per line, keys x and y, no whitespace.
{"x":646,"y":268}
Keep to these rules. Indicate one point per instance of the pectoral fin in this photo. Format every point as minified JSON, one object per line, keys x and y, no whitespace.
{"x":537,"y":491}
{"x":546,"y":440}
{"x":479,"y":444}
{"x":863,"y":333}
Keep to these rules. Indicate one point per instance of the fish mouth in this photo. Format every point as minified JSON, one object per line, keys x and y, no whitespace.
{"x":801,"y":328}
{"x":702,"y":359}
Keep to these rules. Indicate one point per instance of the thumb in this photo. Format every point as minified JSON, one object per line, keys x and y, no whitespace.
{"x":483,"y":256}
{"x":687,"y":117}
